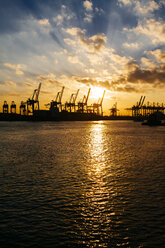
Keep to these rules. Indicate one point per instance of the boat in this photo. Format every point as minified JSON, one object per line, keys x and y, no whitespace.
{"x":155,"y":119}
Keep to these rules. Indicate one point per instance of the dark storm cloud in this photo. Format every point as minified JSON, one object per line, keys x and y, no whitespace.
{"x":128,"y":89}
{"x":137,"y":75}
{"x":154,"y":76}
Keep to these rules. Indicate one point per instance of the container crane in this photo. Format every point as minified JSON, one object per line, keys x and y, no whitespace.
{"x":33,"y":103}
{"x":57,"y":104}
{"x":82,"y":105}
{"x":114,"y":110}
{"x":71,"y":105}
{"x":97,"y":107}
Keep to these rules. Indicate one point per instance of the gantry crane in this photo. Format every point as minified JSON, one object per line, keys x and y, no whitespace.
{"x":33,"y":103}
{"x":113,"y":110}
{"x":57,"y":104}
{"x":71,"y":105}
{"x":82,"y":105}
{"x":97,"y":107}
{"x":136,"y":109}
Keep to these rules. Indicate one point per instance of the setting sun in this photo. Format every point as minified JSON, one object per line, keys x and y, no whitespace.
{"x":97,"y":92}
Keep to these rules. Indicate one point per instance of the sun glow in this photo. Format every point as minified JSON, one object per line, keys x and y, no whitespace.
{"x":97,"y":92}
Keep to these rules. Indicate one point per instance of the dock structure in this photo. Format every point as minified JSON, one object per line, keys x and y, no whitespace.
{"x":141,"y":110}
{"x":71,"y":110}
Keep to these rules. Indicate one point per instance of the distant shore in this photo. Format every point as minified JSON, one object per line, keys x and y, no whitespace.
{"x":66,"y":117}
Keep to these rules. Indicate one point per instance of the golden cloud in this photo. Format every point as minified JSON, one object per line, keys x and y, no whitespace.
{"x":158,"y":54}
{"x":144,"y":9}
{"x":94,"y":43}
{"x":126,"y":2}
{"x":148,"y":63}
{"x":44,"y":22}
{"x":93,"y":82}
{"x":10,"y":83}
{"x":16,"y":68}
{"x":48,"y":80}
{"x":151,"y":28}
{"x":134,"y":45}
{"x":88,"y":5}
{"x":28,"y":85}
{"x":74,"y":60}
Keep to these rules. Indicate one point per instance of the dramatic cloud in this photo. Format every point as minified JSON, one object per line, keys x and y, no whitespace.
{"x":141,"y":7}
{"x":155,"y":30}
{"x":128,"y":88}
{"x":148,"y":63}
{"x":158,"y":54}
{"x":145,"y":7}
{"x":93,"y":44}
{"x":155,"y":76}
{"x":137,"y":75}
{"x":93,"y":82}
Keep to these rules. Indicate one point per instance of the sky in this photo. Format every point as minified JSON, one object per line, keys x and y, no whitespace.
{"x":116,"y":45}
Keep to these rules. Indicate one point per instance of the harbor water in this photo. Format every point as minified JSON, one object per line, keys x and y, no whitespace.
{"x":82,"y":184}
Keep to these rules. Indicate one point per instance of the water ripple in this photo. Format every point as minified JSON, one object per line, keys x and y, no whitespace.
{"x":82,"y":184}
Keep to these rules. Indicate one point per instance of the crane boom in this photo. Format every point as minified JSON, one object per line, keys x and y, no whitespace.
{"x":62,"y":91}
{"x":102,"y":98}
{"x":140,"y":101}
{"x":37,"y":92}
{"x":87,"y":96}
{"x":76,"y":96}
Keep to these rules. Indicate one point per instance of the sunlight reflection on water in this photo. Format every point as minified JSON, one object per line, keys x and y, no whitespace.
{"x":82,"y":184}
